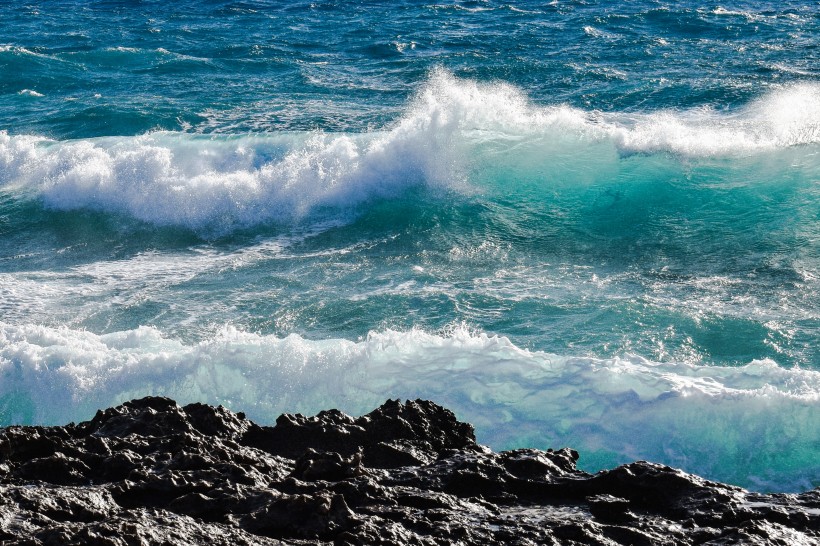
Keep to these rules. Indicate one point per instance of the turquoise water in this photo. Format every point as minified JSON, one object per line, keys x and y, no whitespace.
{"x":583,"y":223}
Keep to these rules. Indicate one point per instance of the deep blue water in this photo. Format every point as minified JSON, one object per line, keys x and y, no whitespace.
{"x":593,"y":224}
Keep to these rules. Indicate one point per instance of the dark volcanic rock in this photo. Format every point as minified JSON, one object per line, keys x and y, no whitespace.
{"x":151,"y":472}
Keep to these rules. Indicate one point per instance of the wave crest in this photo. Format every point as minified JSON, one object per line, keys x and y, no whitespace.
{"x":753,"y":425}
{"x":453,"y":129}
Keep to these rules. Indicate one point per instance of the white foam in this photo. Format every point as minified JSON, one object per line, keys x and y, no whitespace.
{"x":783,"y":118}
{"x":453,"y":129}
{"x":754,"y":425}
{"x":6,"y":48}
{"x":71,"y":295}
{"x":735,"y":13}
{"x":223,"y":183}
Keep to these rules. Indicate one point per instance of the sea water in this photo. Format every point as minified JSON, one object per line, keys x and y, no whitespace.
{"x":577,"y":223}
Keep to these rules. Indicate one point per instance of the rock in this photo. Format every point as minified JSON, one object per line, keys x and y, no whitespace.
{"x":152,"y":472}
{"x":391,"y":436}
{"x":314,"y":465}
{"x":610,"y":509}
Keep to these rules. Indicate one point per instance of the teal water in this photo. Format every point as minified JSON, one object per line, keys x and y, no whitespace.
{"x":581,"y":223}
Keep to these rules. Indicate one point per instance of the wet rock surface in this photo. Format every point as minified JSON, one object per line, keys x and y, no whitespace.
{"x":152,"y":472}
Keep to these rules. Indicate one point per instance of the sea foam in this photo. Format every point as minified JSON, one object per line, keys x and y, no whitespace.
{"x":453,"y":129}
{"x":753,"y":425}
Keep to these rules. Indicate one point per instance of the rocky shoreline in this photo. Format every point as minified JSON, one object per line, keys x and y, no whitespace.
{"x":150,"y":472}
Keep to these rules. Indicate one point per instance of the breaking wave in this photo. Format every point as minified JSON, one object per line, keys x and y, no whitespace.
{"x":453,"y":131}
{"x":753,"y":425}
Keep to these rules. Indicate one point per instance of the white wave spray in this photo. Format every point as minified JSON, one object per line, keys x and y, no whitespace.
{"x":453,"y":129}
{"x":753,"y":425}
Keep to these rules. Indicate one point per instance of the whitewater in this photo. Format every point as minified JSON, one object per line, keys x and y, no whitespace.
{"x":568,"y":246}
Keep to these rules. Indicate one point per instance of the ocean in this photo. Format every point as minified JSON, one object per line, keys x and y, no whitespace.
{"x":577,"y":223}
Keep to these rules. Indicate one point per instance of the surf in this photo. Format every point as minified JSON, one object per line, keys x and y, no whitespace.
{"x":751,"y":425}
{"x":457,"y":136}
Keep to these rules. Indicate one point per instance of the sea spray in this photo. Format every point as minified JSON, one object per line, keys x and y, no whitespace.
{"x":449,"y":137}
{"x":754,"y":425}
